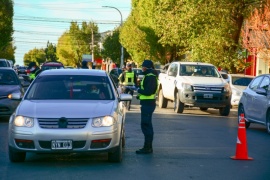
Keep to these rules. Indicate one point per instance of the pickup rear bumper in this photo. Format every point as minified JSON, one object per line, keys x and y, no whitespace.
{"x":205,"y":99}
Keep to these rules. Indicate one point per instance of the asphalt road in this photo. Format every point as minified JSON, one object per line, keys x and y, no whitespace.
{"x":192,"y":145}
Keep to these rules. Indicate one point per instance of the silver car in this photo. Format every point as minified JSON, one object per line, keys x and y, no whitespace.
{"x":69,"y":110}
{"x":255,"y":102}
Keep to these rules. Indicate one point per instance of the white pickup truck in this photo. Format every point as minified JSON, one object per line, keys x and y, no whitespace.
{"x":194,"y":84}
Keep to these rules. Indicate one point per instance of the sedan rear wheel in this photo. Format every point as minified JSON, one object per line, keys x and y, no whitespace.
{"x":268,"y":122}
{"x":242,"y":111}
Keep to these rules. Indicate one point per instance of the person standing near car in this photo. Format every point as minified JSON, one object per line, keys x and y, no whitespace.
{"x":128,"y":77}
{"x":147,"y":97}
{"x":85,"y":65}
{"x":32,"y":69}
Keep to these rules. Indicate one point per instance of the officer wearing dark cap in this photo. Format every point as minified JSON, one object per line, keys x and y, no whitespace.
{"x":147,"y":97}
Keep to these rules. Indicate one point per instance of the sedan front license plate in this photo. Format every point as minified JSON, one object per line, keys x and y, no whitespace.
{"x":208,"y":96}
{"x":61,"y":144}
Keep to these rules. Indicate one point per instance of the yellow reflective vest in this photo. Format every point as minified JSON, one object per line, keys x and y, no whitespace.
{"x":152,"y":96}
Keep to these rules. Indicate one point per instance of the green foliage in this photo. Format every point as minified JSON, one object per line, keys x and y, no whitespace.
{"x":35,"y":55}
{"x":8,"y":52}
{"x":50,"y":52}
{"x":6,"y":28}
{"x":202,"y":30}
{"x":76,"y":42}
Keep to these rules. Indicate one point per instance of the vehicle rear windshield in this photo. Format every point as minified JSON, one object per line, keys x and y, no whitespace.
{"x":241,"y":81}
{"x":77,"y":87}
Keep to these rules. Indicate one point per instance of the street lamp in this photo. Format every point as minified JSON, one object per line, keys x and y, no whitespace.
{"x":122,"y":49}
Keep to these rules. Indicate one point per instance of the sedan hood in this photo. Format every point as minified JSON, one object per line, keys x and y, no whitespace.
{"x":197,"y":80}
{"x":8,"y":89}
{"x":64,"y":108}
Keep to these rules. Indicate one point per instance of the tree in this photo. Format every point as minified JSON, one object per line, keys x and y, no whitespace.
{"x":210,"y":33}
{"x":112,"y":47}
{"x":138,"y":36}
{"x":6,"y":30}
{"x":6,"y":24}
{"x":50,"y":52}
{"x":77,"y":40}
{"x":256,"y":32}
{"x":35,"y":55}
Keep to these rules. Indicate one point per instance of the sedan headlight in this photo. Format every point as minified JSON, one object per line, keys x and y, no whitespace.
{"x":103,"y":121}
{"x":187,"y":87}
{"x":22,"y":121}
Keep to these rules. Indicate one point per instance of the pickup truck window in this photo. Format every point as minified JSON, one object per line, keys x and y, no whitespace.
{"x":198,"y":70}
{"x":173,"y":70}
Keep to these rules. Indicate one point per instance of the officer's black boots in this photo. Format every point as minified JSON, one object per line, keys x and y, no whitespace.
{"x":147,"y":149}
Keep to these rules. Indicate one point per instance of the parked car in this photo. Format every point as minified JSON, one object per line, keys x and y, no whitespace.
{"x":5,"y":63}
{"x":255,"y":102}
{"x":69,"y":111}
{"x":10,"y":87}
{"x":238,"y":83}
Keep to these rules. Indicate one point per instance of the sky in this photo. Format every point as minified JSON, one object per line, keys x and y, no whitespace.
{"x":36,"y":22}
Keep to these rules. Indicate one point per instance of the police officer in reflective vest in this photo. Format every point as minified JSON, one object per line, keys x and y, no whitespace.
{"x":147,"y":97}
{"x":128,"y":77}
{"x":32,"y":69}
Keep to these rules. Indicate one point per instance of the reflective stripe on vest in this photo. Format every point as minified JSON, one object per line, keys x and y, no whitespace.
{"x":129,"y":79}
{"x":153,"y":96}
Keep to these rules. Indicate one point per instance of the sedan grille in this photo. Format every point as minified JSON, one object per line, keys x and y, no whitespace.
{"x":57,"y":123}
{"x":208,"y":88}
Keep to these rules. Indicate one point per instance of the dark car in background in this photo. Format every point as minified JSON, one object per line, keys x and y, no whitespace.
{"x":10,"y":86}
{"x":21,"y":70}
{"x":50,"y":65}
{"x":255,"y":102}
{"x":115,"y":73}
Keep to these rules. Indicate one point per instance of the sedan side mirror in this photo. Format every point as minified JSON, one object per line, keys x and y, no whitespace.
{"x":261,"y":91}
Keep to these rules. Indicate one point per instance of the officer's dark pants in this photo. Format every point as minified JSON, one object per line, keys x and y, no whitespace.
{"x":146,"y":124}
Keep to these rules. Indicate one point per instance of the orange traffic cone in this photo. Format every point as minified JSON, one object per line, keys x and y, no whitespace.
{"x":241,"y":145}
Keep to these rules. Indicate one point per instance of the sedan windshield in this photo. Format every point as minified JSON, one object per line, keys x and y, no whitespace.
{"x":8,"y":78}
{"x":77,"y":87}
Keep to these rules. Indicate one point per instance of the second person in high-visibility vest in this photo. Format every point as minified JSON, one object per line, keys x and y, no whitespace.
{"x":128,"y":77}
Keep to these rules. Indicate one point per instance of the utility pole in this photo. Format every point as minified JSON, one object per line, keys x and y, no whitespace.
{"x":92,"y":47}
{"x":122,"y":48}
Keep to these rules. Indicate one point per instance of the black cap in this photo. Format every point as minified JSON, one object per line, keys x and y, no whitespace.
{"x":147,"y":64}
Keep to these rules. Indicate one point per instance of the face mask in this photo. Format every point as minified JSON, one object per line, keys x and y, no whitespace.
{"x":32,"y":69}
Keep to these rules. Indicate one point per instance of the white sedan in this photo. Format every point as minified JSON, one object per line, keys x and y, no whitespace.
{"x":238,"y":83}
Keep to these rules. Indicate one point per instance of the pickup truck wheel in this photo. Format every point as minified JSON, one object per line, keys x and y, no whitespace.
{"x":162,"y":101}
{"x":203,"y":108}
{"x":178,"y":105}
{"x":225,"y":111}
